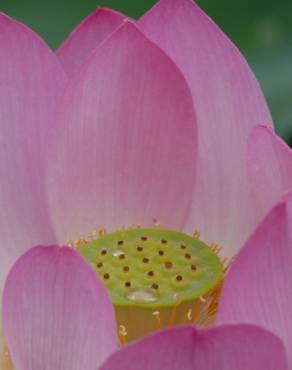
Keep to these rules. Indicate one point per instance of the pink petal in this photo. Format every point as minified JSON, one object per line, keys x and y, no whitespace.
{"x":56,"y":313}
{"x":270,"y":170}
{"x":86,"y":37}
{"x":239,"y":347}
{"x":32,"y":82}
{"x":125,"y":149}
{"x":228,"y":103}
{"x":258,"y":287}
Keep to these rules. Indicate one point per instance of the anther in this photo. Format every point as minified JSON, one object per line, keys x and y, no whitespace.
{"x":196,"y":234}
{"x":101,"y":232}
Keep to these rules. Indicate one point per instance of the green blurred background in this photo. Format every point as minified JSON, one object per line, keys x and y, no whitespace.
{"x":262,"y":29}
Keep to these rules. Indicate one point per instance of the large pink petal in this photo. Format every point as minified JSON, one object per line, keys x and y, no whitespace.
{"x":125,"y":149}
{"x":31,"y":83}
{"x":56,"y":313}
{"x":223,"y":348}
{"x":270,"y":170}
{"x":258,"y":287}
{"x":228,"y":103}
{"x":86,"y":37}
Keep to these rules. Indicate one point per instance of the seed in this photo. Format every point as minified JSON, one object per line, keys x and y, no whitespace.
{"x":120,"y":242}
{"x":127,"y":284}
{"x":99,"y":265}
{"x":103,"y":252}
{"x":143,"y":238}
{"x":126,"y":268}
{"x":155,"y":286}
{"x":106,"y":276}
{"x":139,"y":249}
{"x":163,"y":241}
{"x":168,"y":265}
{"x":179,"y":278}
{"x":193,"y":267}
{"x":161,"y":253}
{"x":145,"y":260}
{"x":150,"y":273}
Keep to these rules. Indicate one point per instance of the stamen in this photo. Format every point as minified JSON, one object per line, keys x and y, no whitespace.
{"x":187,"y":317}
{"x":174,"y":310}
{"x":196,"y":234}
{"x":122,"y":333}
{"x":156,"y":315}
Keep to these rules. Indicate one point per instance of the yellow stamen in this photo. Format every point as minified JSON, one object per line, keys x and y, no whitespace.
{"x":171,"y":321}
{"x":122,"y":333}
{"x":156,"y":315}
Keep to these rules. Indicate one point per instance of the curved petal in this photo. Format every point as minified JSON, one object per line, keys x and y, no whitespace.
{"x":32,"y":82}
{"x":228,"y":102}
{"x":56,"y":313}
{"x":269,"y":169}
{"x":132,"y":146}
{"x":239,"y":347}
{"x":258,"y":287}
{"x":77,"y":48}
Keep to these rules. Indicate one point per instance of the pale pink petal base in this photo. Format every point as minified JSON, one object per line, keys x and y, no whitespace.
{"x":239,"y":347}
{"x":5,"y":363}
{"x":56,"y":313}
{"x":258,"y":288}
{"x":32,"y":82}
{"x":77,"y":48}
{"x":125,"y":149}
{"x":269,"y":169}
{"x":228,"y":102}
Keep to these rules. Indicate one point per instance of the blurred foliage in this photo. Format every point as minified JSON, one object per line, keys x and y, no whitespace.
{"x":262,"y":29}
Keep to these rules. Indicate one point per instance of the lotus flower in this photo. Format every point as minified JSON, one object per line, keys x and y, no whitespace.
{"x":129,"y":122}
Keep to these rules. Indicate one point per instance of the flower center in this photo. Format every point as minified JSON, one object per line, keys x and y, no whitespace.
{"x":156,"y":279}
